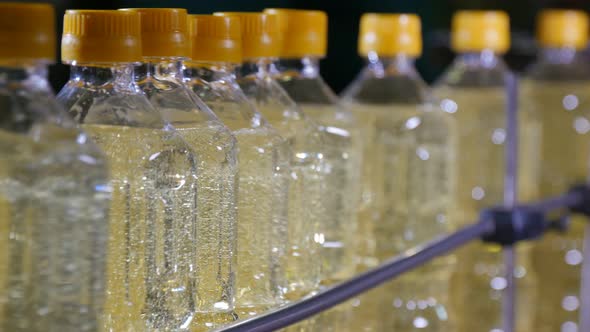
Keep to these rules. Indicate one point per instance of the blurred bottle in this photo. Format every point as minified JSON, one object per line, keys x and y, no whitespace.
{"x":54,"y":192}
{"x":152,"y":258}
{"x":406,"y":176}
{"x":303,"y":36}
{"x":556,"y":92}
{"x":473,"y":91}
{"x":263,"y":161}
{"x":165,"y":45}
{"x":308,"y":166}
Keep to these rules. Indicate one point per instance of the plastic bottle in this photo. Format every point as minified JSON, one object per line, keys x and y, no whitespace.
{"x":263,"y":160}
{"x":308,"y":167}
{"x":407,"y":175}
{"x":473,"y":91}
{"x":303,"y":35}
{"x":556,"y":93}
{"x":153,"y":262}
{"x":54,"y":192}
{"x":165,"y":45}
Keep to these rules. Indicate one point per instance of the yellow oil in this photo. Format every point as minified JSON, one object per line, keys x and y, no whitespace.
{"x":405,"y":198}
{"x":52,"y":228}
{"x":479,"y":280}
{"x":5,"y":213}
{"x":215,"y":190}
{"x":342,"y":153}
{"x":263,"y":159}
{"x":216,"y":215}
{"x":158,"y":279}
{"x":305,"y":188}
{"x":307,"y":176}
{"x":367,"y":314}
{"x":561,"y":107}
{"x":337,"y":207}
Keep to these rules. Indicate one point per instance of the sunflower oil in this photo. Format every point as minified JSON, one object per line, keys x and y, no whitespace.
{"x":263,"y":159}
{"x":473,"y":92}
{"x":406,"y":176}
{"x":555,"y":92}
{"x":308,"y":166}
{"x":54,"y":192}
{"x":165,"y":44}
{"x":303,"y":35}
{"x":154,"y":266}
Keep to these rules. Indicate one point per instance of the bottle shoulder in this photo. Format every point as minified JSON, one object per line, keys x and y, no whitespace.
{"x":392,"y":89}
{"x":108,"y":104}
{"x":465,"y":76}
{"x":172,"y":98}
{"x":22,"y":108}
{"x":268,"y":96}
{"x":307,"y":90}
{"x":559,"y":72}
{"x":228,"y":102}
{"x":404,"y":117}
{"x":35,"y":115}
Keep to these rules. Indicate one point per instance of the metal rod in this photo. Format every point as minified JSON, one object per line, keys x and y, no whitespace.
{"x":585,"y":284}
{"x":558,"y":202}
{"x":510,"y":198}
{"x":298,"y":311}
{"x":511,"y":151}
{"x":510,"y":292}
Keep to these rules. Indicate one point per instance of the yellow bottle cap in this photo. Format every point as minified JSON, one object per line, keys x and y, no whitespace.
{"x":302,"y":32}
{"x":215,"y":38}
{"x":101,"y":36}
{"x":163,"y":32}
{"x":562,"y":28}
{"x":260,"y":37}
{"x":390,"y":34}
{"x":27,"y":31}
{"x":475,"y":30}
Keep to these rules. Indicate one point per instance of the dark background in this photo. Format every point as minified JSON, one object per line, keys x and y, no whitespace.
{"x":342,"y":63}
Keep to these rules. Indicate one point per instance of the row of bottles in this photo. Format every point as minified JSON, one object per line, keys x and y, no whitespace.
{"x":457,"y":139}
{"x":196,"y":170}
{"x":222,"y":191}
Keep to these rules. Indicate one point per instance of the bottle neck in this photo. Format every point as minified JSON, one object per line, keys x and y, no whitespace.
{"x":397,"y":65}
{"x":306,"y":67}
{"x":120,"y":75}
{"x":210,"y":71}
{"x":167,"y":68}
{"x":559,"y":55}
{"x":482,"y":60}
{"x":261,"y":67}
{"x":31,"y":74}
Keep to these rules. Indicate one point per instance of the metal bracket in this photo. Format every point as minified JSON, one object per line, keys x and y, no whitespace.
{"x":512,"y":225}
{"x":582,"y":206}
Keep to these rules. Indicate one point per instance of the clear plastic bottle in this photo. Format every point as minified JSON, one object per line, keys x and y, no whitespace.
{"x":263,"y":162}
{"x":165,"y":45}
{"x":153,"y":263}
{"x":303,"y":36}
{"x":308,"y":167}
{"x":556,"y":93}
{"x":54,"y":192}
{"x":407,"y":176}
{"x":473,"y":91}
